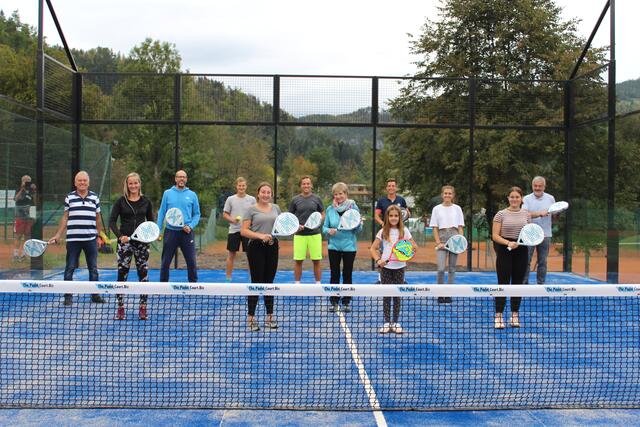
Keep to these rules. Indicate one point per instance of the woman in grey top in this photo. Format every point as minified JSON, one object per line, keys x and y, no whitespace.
{"x":262,"y":251}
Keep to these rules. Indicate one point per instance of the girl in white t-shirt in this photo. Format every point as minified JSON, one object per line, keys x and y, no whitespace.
{"x":447,"y":220}
{"x":391,"y":272}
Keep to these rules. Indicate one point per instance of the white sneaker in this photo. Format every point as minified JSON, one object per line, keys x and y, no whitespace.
{"x":386,"y":328}
{"x":395,"y":327}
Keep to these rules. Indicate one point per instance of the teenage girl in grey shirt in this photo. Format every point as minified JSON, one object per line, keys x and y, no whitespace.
{"x":262,"y":252}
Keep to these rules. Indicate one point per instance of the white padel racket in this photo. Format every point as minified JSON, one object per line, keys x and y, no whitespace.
{"x":405,"y":214}
{"x":146,"y":232}
{"x":314,"y":221}
{"x":350,"y":220}
{"x":286,"y":224}
{"x":174,"y":217}
{"x":456,"y":244}
{"x":558,"y":207}
{"x":34,"y":248}
{"x":530,"y":235}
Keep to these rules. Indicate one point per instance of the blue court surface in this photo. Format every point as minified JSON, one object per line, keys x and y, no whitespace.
{"x":350,"y":385}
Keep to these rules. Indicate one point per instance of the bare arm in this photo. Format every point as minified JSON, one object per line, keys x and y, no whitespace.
{"x":495,"y":235}
{"x":436,"y":236}
{"x":61,"y":227}
{"x":378,"y":218}
{"x":246,"y":232}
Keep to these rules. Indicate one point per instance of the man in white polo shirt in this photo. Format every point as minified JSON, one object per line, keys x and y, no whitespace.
{"x":537,"y":203}
{"x":83,"y":223}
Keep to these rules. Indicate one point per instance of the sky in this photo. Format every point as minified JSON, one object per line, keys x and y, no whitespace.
{"x":346,"y":37}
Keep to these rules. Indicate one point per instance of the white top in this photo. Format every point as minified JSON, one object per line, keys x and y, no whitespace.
{"x":447,"y":216}
{"x":237,"y":206}
{"x":387,"y":245}
{"x":83,"y":212}
{"x":533,"y":203}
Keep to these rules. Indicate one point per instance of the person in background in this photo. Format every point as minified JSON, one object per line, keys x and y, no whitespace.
{"x":233,"y":212}
{"x":538,"y":203}
{"x":25,"y":198}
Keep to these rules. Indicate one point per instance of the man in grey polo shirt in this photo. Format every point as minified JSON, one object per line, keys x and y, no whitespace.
{"x":537,"y":203}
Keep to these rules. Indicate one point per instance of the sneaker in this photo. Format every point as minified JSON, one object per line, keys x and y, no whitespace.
{"x":498,"y":322}
{"x":120,"y":313}
{"x":97,"y":299}
{"x":68,"y":299}
{"x":386,"y":328}
{"x":448,"y":300}
{"x":142,"y":312}
{"x":334,"y":308}
{"x":441,"y":300}
{"x":253,"y":326}
{"x":271,"y":324}
{"x":346,"y":308}
{"x":515,"y":321}
{"x":395,"y":327}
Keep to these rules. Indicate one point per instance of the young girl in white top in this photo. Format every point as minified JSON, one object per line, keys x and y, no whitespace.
{"x":391,"y":272}
{"x":447,"y":220}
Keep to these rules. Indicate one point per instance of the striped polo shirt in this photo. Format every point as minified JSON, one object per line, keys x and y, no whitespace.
{"x":512,"y":222}
{"x":81,"y":224}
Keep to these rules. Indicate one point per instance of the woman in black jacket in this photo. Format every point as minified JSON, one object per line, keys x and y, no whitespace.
{"x":133,"y":208}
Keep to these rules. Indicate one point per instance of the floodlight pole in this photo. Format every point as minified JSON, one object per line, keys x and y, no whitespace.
{"x":472,"y":131}
{"x":613,"y":238}
{"x":374,"y":144}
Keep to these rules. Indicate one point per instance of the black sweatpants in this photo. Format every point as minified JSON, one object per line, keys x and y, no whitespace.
{"x":511,"y":268}
{"x":347,"y":259}
{"x":263,"y":264}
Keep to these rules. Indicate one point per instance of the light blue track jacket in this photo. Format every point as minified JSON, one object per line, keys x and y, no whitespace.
{"x":343,"y":240}
{"x":185,"y":200}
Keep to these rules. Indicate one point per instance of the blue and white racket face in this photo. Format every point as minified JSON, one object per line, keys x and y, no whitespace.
{"x":286,"y":224}
{"x":34,"y":248}
{"x":456,"y":244}
{"x":349,"y":220}
{"x":314,"y":221}
{"x":558,"y":207}
{"x":146,"y":232}
{"x":531,"y":235}
{"x":174,"y":217}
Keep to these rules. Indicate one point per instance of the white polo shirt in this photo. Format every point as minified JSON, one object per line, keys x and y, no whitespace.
{"x":533,"y":204}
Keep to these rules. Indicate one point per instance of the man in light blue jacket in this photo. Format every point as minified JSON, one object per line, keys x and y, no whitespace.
{"x":179,"y":196}
{"x":342,"y":244}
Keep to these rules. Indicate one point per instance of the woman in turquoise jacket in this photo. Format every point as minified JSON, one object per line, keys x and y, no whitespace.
{"x":342,"y":244}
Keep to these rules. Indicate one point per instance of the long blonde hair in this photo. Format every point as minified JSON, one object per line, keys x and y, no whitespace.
{"x":125,"y":189}
{"x":386,"y":227}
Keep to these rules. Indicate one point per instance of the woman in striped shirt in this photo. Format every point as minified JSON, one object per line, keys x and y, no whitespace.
{"x":511,"y":265}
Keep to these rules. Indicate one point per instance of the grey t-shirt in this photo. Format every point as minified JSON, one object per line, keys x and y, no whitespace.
{"x":303,"y":207}
{"x":236,"y":206}
{"x":261,"y":222}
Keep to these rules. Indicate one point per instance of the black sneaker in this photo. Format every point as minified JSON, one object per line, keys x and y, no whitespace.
{"x":447,"y":300}
{"x":334,"y":308}
{"x":346,"y":308}
{"x":68,"y":299}
{"x":95,"y":298}
{"x":441,"y":300}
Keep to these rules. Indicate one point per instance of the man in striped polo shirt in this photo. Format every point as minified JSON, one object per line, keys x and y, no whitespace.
{"x":83,"y":223}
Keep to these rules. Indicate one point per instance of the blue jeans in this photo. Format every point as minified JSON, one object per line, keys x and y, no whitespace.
{"x":174,"y":239}
{"x":543,"y":253}
{"x":90,"y":248}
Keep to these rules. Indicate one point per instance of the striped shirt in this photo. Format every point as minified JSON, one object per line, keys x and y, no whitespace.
{"x":81,"y":224}
{"x":512,"y":222}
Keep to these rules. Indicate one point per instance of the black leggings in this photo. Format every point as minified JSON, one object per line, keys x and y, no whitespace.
{"x":511,"y":268}
{"x":347,"y":259}
{"x":263,"y":264}
{"x":390,"y":276}
{"x":127,"y":251}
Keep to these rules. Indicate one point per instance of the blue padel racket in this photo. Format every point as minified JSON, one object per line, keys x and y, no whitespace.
{"x":286,"y":224}
{"x":146,"y":232}
{"x":456,"y":244}
{"x":314,"y":221}
{"x":174,"y":218}
{"x":402,"y":251}
{"x":350,"y":220}
{"x":530,"y":235}
{"x":558,"y":207}
{"x":34,"y":248}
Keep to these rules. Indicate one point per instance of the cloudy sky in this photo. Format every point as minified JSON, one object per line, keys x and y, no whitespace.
{"x":351,"y":37}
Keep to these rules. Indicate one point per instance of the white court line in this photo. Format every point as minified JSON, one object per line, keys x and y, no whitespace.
{"x":364,"y":377}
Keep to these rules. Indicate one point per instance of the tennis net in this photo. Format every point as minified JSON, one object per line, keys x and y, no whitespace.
{"x":576,"y":347}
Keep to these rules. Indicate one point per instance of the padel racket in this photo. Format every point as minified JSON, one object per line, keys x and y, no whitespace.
{"x":146,"y":232}
{"x":174,"y":217}
{"x":286,"y":224}
{"x":34,"y":248}
{"x":456,"y":244}
{"x":350,"y":220}
{"x":405,"y":214}
{"x":558,"y":207}
{"x":530,"y":235}
{"x":402,"y":251}
{"x":314,"y":221}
